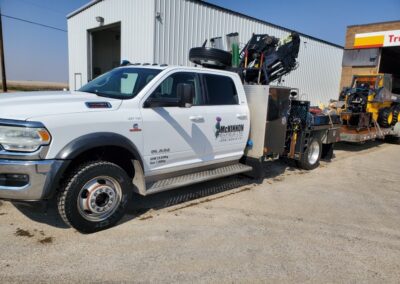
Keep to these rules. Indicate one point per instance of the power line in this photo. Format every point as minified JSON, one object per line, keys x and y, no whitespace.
{"x":41,"y":7}
{"x":33,"y":23}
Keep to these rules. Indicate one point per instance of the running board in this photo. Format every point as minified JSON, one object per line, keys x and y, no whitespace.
{"x":198,"y":177}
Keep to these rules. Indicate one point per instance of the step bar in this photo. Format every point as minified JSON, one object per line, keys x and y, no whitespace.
{"x":197,"y":177}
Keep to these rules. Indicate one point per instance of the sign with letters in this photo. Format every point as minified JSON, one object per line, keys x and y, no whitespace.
{"x":377,"y":39}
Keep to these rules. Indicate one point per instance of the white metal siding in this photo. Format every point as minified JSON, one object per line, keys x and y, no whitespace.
{"x":187,"y":24}
{"x":137,"y":32}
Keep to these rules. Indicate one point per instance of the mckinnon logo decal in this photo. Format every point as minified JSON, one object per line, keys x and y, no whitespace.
{"x":221,"y":129}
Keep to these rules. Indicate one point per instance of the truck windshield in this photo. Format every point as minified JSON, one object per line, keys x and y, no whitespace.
{"x":121,"y":83}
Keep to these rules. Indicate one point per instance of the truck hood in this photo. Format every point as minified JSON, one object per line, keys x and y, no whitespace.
{"x":28,"y":105}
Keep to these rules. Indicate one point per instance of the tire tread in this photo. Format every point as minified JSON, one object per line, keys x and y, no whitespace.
{"x":66,"y":186}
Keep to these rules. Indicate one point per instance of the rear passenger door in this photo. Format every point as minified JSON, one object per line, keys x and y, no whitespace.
{"x":227,"y":117}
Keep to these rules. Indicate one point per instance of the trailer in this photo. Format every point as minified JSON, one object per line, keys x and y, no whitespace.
{"x":371,"y":108}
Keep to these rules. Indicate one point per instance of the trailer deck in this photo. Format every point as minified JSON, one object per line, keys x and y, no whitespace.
{"x":348,"y":134}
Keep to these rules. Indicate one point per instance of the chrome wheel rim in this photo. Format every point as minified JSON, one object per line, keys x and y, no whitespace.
{"x":313,"y":152}
{"x":99,"y":198}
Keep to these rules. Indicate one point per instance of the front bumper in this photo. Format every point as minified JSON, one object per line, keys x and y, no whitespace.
{"x":41,"y":174}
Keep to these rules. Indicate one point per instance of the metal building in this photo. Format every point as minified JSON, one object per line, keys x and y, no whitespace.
{"x":104,"y":32}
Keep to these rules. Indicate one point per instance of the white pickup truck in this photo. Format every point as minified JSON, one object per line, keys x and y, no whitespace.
{"x":143,"y":129}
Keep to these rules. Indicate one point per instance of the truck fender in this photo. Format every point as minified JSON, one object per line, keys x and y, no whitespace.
{"x":319,"y":134}
{"x":95,"y":140}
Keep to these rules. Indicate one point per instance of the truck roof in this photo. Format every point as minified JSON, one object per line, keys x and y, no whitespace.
{"x":175,"y":67}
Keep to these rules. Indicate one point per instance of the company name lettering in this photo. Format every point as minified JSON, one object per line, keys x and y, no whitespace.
{"x":394,"y":38}
{"x":232,"y":128}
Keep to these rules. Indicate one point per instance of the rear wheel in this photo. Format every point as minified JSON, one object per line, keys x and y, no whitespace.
{"x":94,"y":197}
{"x":312,"y":156}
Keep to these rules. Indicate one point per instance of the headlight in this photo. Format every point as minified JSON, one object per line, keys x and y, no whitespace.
{"x":22,"y":139}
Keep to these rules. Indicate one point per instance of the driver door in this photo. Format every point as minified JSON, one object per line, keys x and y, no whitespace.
{"x":173,"y":136}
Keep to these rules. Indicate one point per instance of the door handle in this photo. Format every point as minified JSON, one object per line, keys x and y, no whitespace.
{"x":242,"y":116}
{"x":197,"y":118}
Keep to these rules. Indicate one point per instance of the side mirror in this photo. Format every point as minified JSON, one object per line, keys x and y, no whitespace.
{"x":185,"y":94}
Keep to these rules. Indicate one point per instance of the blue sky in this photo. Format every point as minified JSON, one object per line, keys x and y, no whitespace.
{"x":39,"y":54}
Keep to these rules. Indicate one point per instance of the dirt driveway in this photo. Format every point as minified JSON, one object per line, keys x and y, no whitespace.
{"x":339,"y":223}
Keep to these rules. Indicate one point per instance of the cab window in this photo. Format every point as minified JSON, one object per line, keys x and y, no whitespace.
{"x":221,"y":90}
{"x":168,"y":88}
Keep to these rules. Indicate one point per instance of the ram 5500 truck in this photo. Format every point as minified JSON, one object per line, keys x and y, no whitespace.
{"x":144,"y":129}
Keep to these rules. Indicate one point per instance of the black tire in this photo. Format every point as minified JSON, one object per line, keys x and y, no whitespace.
{"x":212,"y":57}
{"x":385,"y":117}
{"x":111,"y":186}
{"x":310,"y":161}
{"x":396,"y":114}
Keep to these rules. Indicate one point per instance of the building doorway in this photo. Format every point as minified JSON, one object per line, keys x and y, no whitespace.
{"x":390,"y":60}
{"x":104,"y":49}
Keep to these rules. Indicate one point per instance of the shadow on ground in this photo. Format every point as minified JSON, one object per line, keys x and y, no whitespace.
{"x":358,"y":147}
{"x":48,"y":214}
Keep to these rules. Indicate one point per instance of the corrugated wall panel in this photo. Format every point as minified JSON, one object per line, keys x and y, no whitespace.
{"x":187,"y":24}
{"x":137,"y":19}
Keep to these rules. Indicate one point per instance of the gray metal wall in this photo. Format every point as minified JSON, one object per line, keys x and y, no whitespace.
{"x":185,"y":24}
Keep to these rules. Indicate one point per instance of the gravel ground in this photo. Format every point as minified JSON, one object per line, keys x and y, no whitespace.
{"x":339,"y":223}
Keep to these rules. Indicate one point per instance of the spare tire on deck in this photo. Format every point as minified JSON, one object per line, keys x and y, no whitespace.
{"x":210,"y":57}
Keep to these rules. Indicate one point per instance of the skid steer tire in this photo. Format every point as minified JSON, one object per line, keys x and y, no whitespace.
{"x":312,"y":156}
{"x":210,"y":57}
{"x":396,"y":114}
{"x":385,"y":118}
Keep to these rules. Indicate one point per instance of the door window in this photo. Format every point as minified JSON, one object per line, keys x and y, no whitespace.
{"x":221,"y":90}
{"x":168,"y":88}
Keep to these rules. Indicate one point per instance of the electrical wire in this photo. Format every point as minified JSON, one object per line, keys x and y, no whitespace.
{"x":42,"y":7}
{"x":33,"y":23}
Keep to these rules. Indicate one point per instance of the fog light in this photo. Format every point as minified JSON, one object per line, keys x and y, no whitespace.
{"x":14,"y":180}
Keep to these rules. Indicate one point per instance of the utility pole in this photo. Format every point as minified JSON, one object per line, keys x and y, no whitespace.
{"x":3,"y":64}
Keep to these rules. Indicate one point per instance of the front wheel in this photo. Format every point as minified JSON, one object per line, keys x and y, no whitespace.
{"x":94,"y":197}
{"x":311,"y":157}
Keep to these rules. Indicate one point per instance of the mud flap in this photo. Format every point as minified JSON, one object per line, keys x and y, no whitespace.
{"x":257,"y":165}
{"x":327,"y":152}
{"x":139,"y":183}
